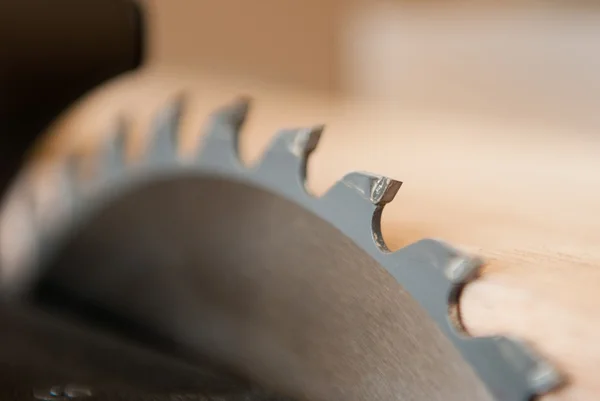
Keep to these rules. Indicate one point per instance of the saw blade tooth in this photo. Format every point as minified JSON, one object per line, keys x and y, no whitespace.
{"x":426,"y":261}
{"x":164,"y":134}
{"x":540,"y":375}
{"x":19,"y":238}
{"x":220,"y":143}
{"x":112,"y":157}
{"x":114,"y":152}
{"x":462,"y":270}
{"x":446,"y":269}
{"x":357,"y":203}
{"x":287,"y":155}
{"x":69,"y":180}
{"x":52,"y":197}
{"x":509,"y":368}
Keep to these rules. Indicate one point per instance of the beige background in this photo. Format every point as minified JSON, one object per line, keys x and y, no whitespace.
{"x":286,"y":42}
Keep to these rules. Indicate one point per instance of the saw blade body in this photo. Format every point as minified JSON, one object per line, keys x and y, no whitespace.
{"x":210,"y":260}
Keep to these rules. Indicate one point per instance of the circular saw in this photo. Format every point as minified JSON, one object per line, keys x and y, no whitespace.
{"x":195,"y":277}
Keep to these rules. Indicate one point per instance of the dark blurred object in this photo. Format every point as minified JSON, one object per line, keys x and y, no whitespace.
{"x":53,"y":52}
{"x":39,"y":351}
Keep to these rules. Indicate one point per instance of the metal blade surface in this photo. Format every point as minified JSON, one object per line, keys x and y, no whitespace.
{"x":241,"y":276}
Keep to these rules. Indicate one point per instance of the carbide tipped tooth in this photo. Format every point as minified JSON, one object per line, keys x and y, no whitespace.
{"x":544,"y":378}
{"x":221,"y":140}
{"x":463,"y":269}
{"x":164,"y":134}
{"x":376,"y":189}
{"x":289,"y":152}
{"x":384,"y":190}
{"x":305,"y":141}
{"x":540,"y":375}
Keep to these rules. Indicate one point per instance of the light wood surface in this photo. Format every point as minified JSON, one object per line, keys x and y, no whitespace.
{"x":289,"y":42}
{"x":524,"y":197}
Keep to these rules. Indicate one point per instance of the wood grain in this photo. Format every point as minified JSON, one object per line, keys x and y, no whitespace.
{"x":524,"y":197}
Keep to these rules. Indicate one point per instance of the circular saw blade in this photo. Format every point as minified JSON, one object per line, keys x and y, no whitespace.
{"x":244,"y":267}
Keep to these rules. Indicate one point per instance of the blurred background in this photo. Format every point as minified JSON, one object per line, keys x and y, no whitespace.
{"x":529,"y":60}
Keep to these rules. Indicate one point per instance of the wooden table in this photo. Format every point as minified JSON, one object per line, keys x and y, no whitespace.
{"x":524,"y":197}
